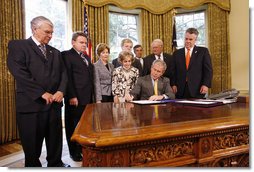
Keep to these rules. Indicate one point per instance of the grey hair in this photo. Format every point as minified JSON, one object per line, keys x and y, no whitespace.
{"x":157,"y":41}
{"x":38,"y":21}
{"x":161,"y":63}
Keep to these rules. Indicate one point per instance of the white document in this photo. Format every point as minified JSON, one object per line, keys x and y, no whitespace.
{"x":197,"y":102}
{"x":146,"y":102}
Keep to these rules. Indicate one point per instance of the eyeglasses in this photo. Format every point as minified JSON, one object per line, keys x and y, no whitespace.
{"x":47,"y":32}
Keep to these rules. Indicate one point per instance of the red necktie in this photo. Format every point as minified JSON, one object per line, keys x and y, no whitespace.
{"x":187,"y":59}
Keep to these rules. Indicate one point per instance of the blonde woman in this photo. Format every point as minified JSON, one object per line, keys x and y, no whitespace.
{"x":103,"y":75}
{"x":124,"y":77}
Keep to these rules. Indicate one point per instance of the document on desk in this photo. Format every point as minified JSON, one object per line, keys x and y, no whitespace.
{"x":199,"y":103}
{"x":149,"y":102}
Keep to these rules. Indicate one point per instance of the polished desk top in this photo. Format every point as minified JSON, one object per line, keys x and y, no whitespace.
{"x":108,"y":124}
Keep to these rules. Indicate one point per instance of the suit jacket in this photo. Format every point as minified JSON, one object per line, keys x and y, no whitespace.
{"x":199,"y":73}
{"x":102,"y":79}
{"x":148,"y":61}
{"x":35,"y":75}
{"x":144,"y":88}
{"x":80,"y":77}
{"x":136,"y":63}
{"x":120,"y":82}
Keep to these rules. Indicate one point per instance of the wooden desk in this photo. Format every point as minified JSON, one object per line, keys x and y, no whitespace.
{"x":136,"y":135}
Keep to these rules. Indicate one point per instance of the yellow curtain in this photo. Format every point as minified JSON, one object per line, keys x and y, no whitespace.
{"x":158,"y":6}
{"x":157,"y":26}
{"x":11,"y":26}
{"x":218,"y":27}
{"x":98,"y":21}
{"x":77,"y":12}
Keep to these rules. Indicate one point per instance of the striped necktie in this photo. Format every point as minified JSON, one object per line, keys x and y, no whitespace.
{"x":43,"y":50}
{"x":84,"y":59}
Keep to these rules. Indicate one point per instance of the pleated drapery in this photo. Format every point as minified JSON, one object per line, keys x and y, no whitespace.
{"x":12,"y":27}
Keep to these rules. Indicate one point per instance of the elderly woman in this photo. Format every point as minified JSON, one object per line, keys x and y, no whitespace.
{"x":124,"y":77}
{"x":103,"y":75}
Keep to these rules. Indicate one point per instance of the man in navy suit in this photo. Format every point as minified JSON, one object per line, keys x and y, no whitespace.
{"x":41,"y":81}
{"x":192,"y":68}
{"x":157,"y":49}
{"x":79,"y":90}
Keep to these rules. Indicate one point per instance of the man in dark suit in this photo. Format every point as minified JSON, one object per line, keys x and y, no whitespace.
{"x":153,"y":86}
{"x":157,"y":49}
{"x":192,"y":68}
{"x":126,"y":45}
{"x":79,"y":90}
{"x":138,"y":51}
{"x":41,"y":80}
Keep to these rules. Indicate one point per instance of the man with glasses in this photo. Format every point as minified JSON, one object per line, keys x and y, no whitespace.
{"x":41,"y":81}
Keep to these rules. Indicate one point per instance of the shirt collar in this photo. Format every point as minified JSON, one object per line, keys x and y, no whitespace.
{"x":191,"y":49}
{"x":36,"y":41}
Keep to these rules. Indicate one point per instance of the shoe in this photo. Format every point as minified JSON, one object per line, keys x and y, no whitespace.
{"x":63,"y":165}
{"x":76,"y":157}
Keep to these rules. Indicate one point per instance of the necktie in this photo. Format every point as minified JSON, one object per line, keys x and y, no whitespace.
{"x":159,"y":57}
{"x":43,"y":50}
{"x":84,"y":59}
{"x":155,"y":87}
{"x":187,"y":59}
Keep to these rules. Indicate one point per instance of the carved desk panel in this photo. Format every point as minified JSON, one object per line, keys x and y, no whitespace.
{"x":169,"y":134}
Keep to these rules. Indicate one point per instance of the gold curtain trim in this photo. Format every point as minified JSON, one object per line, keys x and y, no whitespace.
{"x":158,"y":6}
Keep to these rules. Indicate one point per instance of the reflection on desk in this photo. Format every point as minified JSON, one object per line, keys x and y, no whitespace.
{"x":129,"y":134}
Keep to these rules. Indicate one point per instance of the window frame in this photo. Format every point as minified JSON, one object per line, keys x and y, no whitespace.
{"x":53,"y":42}
{"x":137,"y":12}
{"x":203,"y":8}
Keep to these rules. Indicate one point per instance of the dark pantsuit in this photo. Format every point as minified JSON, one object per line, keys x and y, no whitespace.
{"x":33,"y":128}
{"x":72,"y":117}
{"x":36,"y":75}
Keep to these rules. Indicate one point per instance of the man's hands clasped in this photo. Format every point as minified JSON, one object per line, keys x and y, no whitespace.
{"x":50,"y":98}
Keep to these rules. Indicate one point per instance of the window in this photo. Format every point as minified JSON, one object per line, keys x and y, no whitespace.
{"x":187,"y":20}
{"x":122,"y":25}
{"x":56,"y":11}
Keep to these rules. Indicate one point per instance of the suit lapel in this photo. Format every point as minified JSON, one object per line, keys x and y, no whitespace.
{"x":193,"y":56}
{"x":36,"y":49}
{"x":103,"y":67}
{"x":150,"y":85}
{"x":160,"y":86}
{"x":182,"y":58}
{"x":76,"y":55}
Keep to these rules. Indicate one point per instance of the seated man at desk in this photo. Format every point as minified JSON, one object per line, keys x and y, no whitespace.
{"x":153,"y":86}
